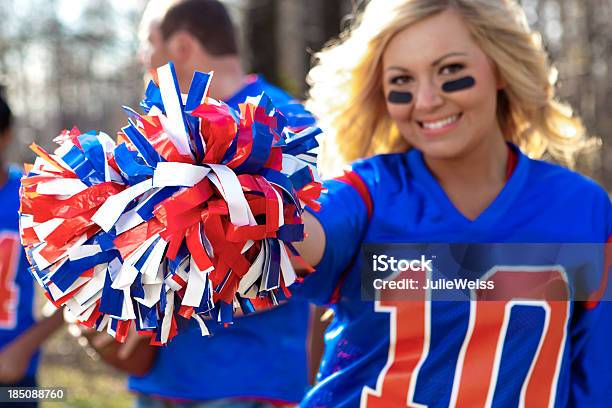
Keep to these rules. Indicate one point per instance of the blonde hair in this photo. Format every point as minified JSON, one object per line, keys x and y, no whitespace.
{"x":346,"y":88}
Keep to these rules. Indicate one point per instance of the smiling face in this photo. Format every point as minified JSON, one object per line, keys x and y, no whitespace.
{"x":441,"y":88}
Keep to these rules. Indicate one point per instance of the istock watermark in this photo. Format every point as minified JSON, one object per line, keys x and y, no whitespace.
{"x":498,"y":272}
{"x":388,"y":263}
{"x":384,"y":263}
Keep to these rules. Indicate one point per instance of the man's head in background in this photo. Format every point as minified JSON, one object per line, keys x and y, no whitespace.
{"x":196,"y":35}
{"x":151,"y":49}
{"x":152,"y":52}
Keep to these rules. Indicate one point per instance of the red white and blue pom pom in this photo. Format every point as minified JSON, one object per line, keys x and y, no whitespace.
{"x":189,"y":215}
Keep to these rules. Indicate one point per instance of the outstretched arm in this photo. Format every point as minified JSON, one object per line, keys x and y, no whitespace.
{"x":312,"y":247}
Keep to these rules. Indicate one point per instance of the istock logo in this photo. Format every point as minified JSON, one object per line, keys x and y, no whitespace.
{"x":384,"y":263}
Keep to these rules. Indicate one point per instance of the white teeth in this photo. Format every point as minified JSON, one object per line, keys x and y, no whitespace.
{"x":440,"y":123}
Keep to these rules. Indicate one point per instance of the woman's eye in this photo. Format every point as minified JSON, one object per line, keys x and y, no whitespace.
{"x":400,"y":80}
{"x":451,"y":69}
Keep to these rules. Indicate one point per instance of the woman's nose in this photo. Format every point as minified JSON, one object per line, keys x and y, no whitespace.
{"x":428,"y":97}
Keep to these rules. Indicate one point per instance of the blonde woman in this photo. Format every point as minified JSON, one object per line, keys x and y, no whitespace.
{"x":446,"y":106}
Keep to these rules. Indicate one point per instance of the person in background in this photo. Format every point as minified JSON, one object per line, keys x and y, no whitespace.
{"x":20,"y":334}
{"x":260,"y":360}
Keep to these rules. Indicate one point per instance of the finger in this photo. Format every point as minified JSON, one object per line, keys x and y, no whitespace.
{"x":101,"y":340}
{"x":132,"y":343}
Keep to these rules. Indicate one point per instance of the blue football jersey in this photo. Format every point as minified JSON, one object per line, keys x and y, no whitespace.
{"x":259,"y":356}
{"x":16,"y":283}
{"x":424,"y":353}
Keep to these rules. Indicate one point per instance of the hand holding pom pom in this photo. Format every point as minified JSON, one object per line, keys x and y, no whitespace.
{"x":191,"y":214}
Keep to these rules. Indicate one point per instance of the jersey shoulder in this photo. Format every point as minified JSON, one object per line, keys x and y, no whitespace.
{"x":276,"y":94}
{"x":558,"y":178}
{"x":297,"y":115}
{"x":566,"y":186}
{"x":383,"y":174}
{"x":569,"y":194}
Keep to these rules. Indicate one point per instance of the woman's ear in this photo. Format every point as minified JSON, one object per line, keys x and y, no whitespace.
{"x":499,"y":80}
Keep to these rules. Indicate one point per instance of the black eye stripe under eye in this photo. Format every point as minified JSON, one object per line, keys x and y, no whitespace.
{"x":459,"y":84}
{"x":399,"y":97}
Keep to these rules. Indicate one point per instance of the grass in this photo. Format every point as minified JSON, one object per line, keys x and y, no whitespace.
{"x":88,"y":383}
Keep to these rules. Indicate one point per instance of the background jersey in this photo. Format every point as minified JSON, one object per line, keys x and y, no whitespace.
{"x":433,"y":354}
{"x":16,"y":283}
{"x":259,"y":356}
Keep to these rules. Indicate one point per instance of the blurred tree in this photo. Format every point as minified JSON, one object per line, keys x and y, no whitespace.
{"x":260,"y":40}
{"x":68,"y":63}
{"x":578,"y":35}
{"x":279,"y":36}
{"x":304,"y":26}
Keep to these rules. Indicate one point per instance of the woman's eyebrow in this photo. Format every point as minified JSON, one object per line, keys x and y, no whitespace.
{"x":450,"y":54}
{"x":433,"y":64}
{"x":394,"y":68}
